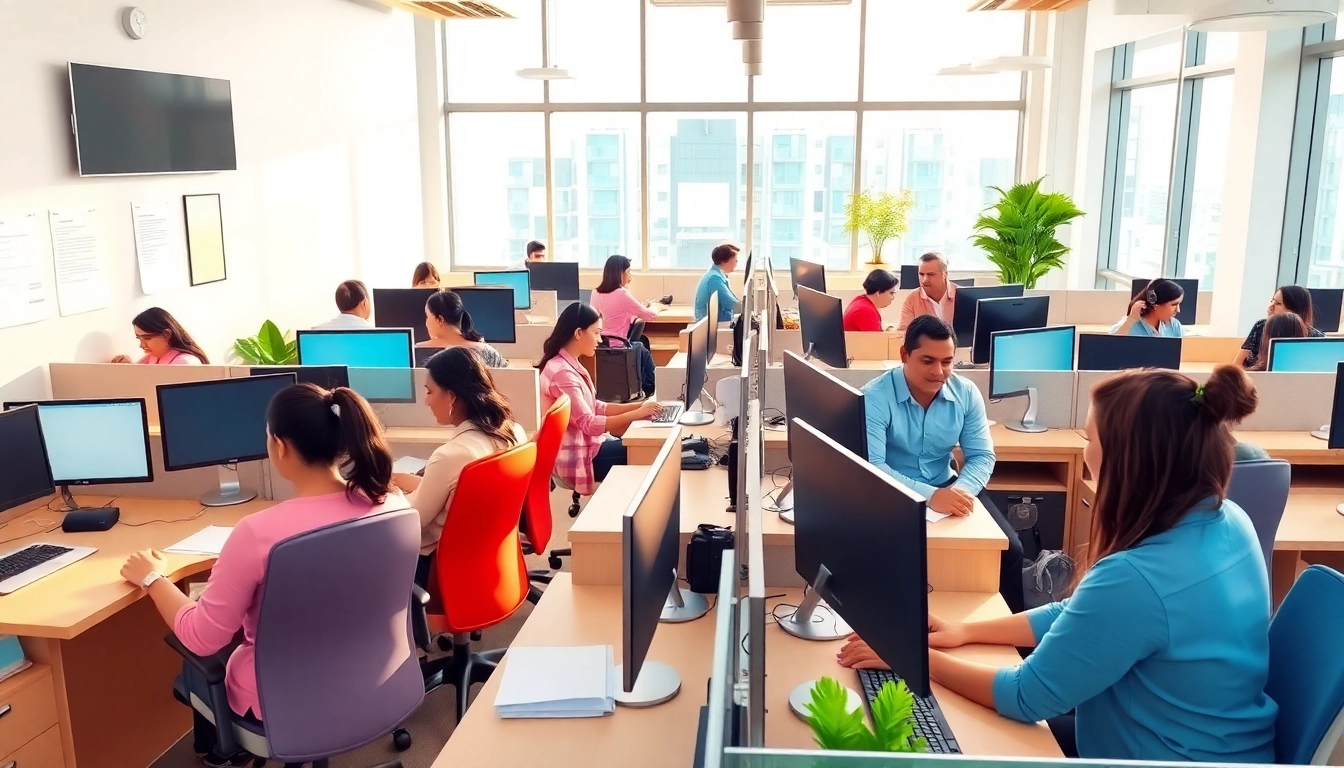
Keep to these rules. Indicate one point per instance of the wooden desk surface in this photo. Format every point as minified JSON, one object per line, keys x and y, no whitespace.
{"x":79,"y":596}
{"x":675,"y":313}
{"x":665,"y":735}
{"x":1311,"y":523}
{"x":1295,"y":447}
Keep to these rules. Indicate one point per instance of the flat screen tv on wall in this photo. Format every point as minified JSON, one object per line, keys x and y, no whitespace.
{"x":130,"y":121}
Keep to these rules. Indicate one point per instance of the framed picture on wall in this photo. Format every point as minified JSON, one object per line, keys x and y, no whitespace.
{"x":205,"y":238}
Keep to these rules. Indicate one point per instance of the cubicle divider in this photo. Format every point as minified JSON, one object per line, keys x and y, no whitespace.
{"x":73,"y":381}
{"x":528,"y":348}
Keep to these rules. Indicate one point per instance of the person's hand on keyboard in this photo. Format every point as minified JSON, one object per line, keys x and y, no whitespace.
{"x":857,"y":655}
{"x":649,"y":409}
{"x":946,"y":634}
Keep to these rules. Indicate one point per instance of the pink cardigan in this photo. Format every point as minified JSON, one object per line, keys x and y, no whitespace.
{"x":619,"y":309}
{"x":174,"y":357}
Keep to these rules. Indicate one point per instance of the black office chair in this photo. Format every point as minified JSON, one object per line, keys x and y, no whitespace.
{"x":637,"y":332}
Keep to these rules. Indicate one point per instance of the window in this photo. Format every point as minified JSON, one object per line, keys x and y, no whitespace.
{"x":587,"y":49}
{"x":1315,"y":255}
{"x":690,"y":54}
{"x":606,"y":146}
{"x":1145,"y":163}
{"x":508,"y":44}
{"x":823,"y":53}
{"x":704,"y":154}
{"x":1206,"y":199}
{"x":782,"y":138}
{"x":1157,"y":55}
{"x":908,"y":42}
{"x":494,"y":155}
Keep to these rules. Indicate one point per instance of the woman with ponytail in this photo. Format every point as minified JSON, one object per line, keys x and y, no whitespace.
{"x":1163,"y":648}
{"x":449,"y":325}
{"x":329,"y":446}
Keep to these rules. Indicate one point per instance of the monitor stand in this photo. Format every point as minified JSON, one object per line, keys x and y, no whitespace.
{"x":231,"y":490}
{"x":68,"y":499}
{"x":783,"y":503}
{"x":1028,"y":423}
{"x":699,"y":417}
{"x":657,"y":683}
{"x":683,"y":605}
{"x":1323,"y":433}
{"x":811,"y":352}
{"x":813,"y":619}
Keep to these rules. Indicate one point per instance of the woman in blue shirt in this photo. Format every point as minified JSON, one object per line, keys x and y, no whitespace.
{"x":1163,"y":648}
{"x":1154,"y":310}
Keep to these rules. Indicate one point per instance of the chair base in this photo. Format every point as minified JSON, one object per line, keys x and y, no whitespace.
{"x":554,"y":560}
{"x":463,"y":669}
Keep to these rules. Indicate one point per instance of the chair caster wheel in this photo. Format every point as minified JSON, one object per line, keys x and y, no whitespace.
{"x":476,"y":636}
{"x":573,"y":510}
{"x":445,"y":643}
{"x":555,"y":563}
{"x":401,"y":739}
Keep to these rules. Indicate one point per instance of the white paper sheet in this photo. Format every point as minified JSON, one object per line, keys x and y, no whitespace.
{"x":23,"y":281}
{"x":934,"y":517}
{"x":207,"y":541}
{"x":409,"y":465}
{"x":157,"y":249}
{"x":81,"y":282}
{"x":548,"y":682}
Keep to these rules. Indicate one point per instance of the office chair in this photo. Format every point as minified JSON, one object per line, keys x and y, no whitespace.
{"x":637,"y":332}
{"x":478,"y":573}
{"x":1260,"y":488}
{"x":336,"y":667}
{"x":537,"y":520}
{"x":1306,"y":669}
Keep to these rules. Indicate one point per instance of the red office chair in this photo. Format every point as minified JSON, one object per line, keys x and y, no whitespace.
{"x":537,"y":520}
{"x":479,"y":572}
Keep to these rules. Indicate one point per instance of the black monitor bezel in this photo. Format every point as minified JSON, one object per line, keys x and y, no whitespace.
{"x":144,"y":423}
{"x":168,"y":466}
{"x":50,"y":485}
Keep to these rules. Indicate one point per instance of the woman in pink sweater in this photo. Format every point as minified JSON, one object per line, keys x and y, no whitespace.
{"x":164,"y":341}
{"x":310,"y":433}
{"x":619,"y":309}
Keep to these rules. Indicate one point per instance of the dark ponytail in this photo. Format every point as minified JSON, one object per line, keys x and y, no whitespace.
{"x":327,"y":428}
{"x":460,"y":370}
{"x":448,"y":307}
{"x":577,"y":316}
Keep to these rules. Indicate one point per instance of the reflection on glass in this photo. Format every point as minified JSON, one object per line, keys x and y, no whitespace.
{"x":805,"y":163}
{"x":499,"y":186}
{"x":1145,"y":162}
{"x":1206,"y":201}
{"x":595,"y":176}
{"x":697,"y":186}
{"x":1326,"y":269}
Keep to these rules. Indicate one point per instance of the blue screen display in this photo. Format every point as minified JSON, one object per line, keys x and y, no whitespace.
{"x":520,"y":281}
{"x":356,"y":349}
{"x":92,"y":442}
{"x":1016,"y":355}
{"x":1305,"y":355}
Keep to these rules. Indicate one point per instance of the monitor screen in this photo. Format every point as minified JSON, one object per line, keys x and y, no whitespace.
{"x":1007,"y":314}
{"x":131,"y":121}
{"x":402,"y":308}
{"x":1325,"y":308}
{"x":807,"y":274}
{"x":207,"y":423}
{"x":650,"y":542}
{"x":559,"y":276}
{"x":324,"y":376}
{"x":1015,"y":355}
{"x":1310,"y":355}
{"x":1189,"y":302}
{"x":909,"y":277}
{"x":491,"y":310}
{"x":966,"y":303}
{"x":379,"y":360}
{"x":519,"y":280}
{"x":24,"y":473}
{"x":1105,"y":352}
{"x":92,"y":442}
{"x":821,"y":323}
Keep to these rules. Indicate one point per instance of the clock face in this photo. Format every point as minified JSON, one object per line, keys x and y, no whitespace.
{"x":133,"y":21}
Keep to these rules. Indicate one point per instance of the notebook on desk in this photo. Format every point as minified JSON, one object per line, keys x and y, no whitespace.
{"x":556,"y":682}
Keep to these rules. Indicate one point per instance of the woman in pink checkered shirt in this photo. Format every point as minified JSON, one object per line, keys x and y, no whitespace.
{"x":592,"y":445}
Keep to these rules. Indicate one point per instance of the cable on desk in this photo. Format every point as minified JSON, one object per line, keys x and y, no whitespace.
{"x":199,"y":512}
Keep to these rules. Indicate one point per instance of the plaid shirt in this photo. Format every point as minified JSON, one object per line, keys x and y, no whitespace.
{"x":587,"y":420}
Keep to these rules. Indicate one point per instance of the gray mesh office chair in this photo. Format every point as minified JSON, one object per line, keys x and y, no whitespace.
{"x":1260,"y":488}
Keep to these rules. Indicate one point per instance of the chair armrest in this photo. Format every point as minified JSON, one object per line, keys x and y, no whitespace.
{"x":420,"y":617}
{"x":212,"y":668}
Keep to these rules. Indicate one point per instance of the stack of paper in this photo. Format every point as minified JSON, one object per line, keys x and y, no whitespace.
{"x":558,"y":682}
{"x":207,"y":541}
{"x":409,"y":465}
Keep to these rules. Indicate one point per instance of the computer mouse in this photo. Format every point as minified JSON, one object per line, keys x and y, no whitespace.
{"x":666,"y":300}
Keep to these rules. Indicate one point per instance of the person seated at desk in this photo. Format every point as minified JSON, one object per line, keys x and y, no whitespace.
{"x":352,"y":299}
{"x":917,"y":414}
{"x":461,"y":394}
{"x":619,"y":309}
{"x":164,"y":341}
{"x":936,"y":295}
{"x":1153,"y":311}
{"x":716,"y":281}
{"x":449,"y":325}
{"x":864,"y":313}
{"x":310,"y":434}
{"x":1286,"y":325}
{"x":426,"y":275}
{"x":585,"y":456}
{"x":536,"y":251}
{"x":1163,"y":649}
{"x":1288,"y":298}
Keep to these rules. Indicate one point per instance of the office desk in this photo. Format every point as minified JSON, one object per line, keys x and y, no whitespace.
{"x":964,"y":552}
{"x":1310,"y":524}
{"x":1295,"y":447}
{"x":665,"y":735}
{"x":102,"y":640}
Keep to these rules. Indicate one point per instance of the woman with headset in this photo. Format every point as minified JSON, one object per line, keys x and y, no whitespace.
{"x":1153,"y":312}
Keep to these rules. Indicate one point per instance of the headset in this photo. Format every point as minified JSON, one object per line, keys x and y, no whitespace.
{"x":1150,"y":298}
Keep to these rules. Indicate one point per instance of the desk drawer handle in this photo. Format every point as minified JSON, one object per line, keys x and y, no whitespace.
{"x":4,"y":710}
{"x":1086,"y":503}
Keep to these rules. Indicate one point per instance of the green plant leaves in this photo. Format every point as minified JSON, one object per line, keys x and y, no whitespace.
{"x":268,"y":347}
{"x":1020,"y":238}
{"x":834,"y":727}
{"x":881,"y":215}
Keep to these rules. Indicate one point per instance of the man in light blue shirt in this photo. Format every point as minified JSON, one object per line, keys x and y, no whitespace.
{"x":716,"y":281}
{"x":917,"y":414}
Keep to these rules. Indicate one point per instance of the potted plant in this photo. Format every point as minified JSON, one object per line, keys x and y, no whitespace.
{"x":881,"y":215}
{"x":1020,"y":235}
{"x":835,"y":727}
{"x":268,"y":347}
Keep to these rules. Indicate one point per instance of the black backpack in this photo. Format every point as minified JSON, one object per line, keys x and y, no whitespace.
{"x":737,"y":339}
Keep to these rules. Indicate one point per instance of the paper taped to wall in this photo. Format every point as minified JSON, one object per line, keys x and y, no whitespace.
{"x":23,"y":281}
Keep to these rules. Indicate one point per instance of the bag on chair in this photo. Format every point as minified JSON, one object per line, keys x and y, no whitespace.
{"x":619,"y":377}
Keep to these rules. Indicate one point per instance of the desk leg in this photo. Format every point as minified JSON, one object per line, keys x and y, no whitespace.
{"x":1285,"y":573}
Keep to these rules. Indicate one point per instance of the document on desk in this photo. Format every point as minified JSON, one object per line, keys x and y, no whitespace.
{"x":207,"y":541}
{"x":933,"y":517}
{"x":409,"y":465}
{"x":554,"y":682}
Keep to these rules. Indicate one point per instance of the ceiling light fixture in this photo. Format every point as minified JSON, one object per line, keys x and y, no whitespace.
{"x":963,"y":70}
{"x":747,"y":18}
{"x":546,"y":71}
{"x":1013,"y":64}
{"x":1262,"y":15}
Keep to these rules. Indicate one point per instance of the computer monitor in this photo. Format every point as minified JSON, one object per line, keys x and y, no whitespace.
{"x":822,"y":322}
{"x":218,"y":423}
{"x":95,"y":442}
{"x":752,"y":612}
{"x":1015,"y":357}
{"x":834,"y":407}
{"x":559,"y":276}
{"x":1010,"y":314}
{"x":697,"y":362}
{"x":1108,"y":352}
{"x":712,"y":333}
{"x":25,"y":474}
{"x":807,"y":274}
{"x":650,"y":539}
{"x":1325,"y":308}
{"x":963,"y":309}
{"x":402,"y":308}
{"x":379,"y":360}
{"x":1189,"y":302}
{"x":1334,"y":431}
{"x":719,"y":717}
{"x":520,"y":280}
{"x":909,"y":276}
{"x":324,"y":376}
{"x":1309,"y":355}
{"x":867,"y":557}
{"x":965,"y":282}
{"x":491,"y":310}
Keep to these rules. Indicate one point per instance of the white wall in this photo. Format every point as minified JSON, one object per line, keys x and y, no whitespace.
{"x":328,"y":179}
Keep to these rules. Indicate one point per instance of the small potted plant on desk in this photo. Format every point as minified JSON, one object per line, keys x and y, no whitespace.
{"x":882,"y":216}
{"x":268,"y":347}
{"x":835,"y":727}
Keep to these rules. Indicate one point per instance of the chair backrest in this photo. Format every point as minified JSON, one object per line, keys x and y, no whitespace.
{"x":336,"y":663}
{"x":482,"y":578}
{"x":1260,"y":488}
{"x":1306,"y":669}
{"x":537,"y":507}
{"x":637,"y":330}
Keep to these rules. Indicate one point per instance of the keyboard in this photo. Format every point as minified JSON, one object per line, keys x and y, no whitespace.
{"x":670,"y":415}
{"x":929,"y":720}
{"x":34,"y":561}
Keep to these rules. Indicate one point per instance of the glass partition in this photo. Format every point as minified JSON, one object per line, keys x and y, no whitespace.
{"x":768,"y":758}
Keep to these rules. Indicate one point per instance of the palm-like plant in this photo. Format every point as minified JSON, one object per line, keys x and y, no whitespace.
{"x":1020,"y":238}
{"x":881,"y":215}
{"x":836,"y":727}
{"x":268,"y":347}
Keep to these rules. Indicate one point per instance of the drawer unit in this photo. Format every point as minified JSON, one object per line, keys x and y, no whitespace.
{"x":42,"y":752}
{"x":27,"y":708}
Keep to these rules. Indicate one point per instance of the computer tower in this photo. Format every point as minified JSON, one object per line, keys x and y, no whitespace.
{"x":1038,"y":517}
{"x":732,"y":468}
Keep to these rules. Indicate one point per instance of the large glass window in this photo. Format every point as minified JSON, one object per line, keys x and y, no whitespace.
{"x":1325,"y":267}
{"x":588,"y":49}
{"x":1144,"y":181}
{"x":596,"y":177}
{"x":817,"y":67}
{"x":508,"y":44}
{"x":790,"y":147}
{"x":499,"y":182}
{"x":703,"y":156}
{"x":1206,"y":201}
{"x":691,"y":55}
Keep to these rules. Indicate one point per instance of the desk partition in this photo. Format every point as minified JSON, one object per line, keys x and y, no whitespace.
{"x":1288,"y":401}
{"x":70,"y":381}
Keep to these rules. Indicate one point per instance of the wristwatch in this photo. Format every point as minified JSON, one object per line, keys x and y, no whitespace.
{"x":152,"y":577}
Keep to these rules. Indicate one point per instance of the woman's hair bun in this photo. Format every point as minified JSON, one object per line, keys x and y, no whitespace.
{"x":1230,"y":394}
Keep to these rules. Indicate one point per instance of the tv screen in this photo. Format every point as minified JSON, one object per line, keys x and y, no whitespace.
{"x":130,"y":121}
